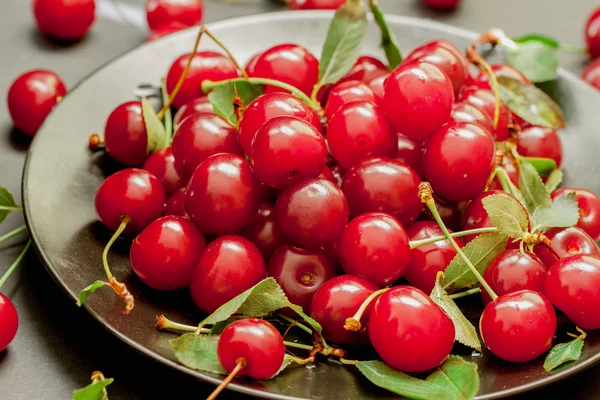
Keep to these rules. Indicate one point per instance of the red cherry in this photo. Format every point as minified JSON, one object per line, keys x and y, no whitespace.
{"x":222,"y":195}
{"x":314,"y":4}
{"x":444,"y":5}
{"x":268,"y":106}
{"x":254,"y":341}
{"x":536,"y":141}
{"x":591,"y":74}
{"x":589,"y":210}
{"x":125,"y":136}
{"x":229,"y":265}
{"x":365,"y":69}
{"x":312,"y":213}
{"x":9,"y":322}
{"x":161,"y":164}
{"x":427,"y":260}
{"x":288,"y":63}
{"x":475,"y":217}
{"x":346,"y":92}
{"x":566,"y":242}
{"x":377,"y":87}
{"x":165,"y":254}
{"x":32,"y":96}
{"x":300,"y":272}
{"x":165,"y":30}
{"x":592,"y":33}
{"x":458,"y":160}
{"x":449,"y":212}
{"x":264,"y":232}
{"x":409,"y":331}
{"x":466,"y":112}
{"x":485,"y":100}
{"x":338,"y":299}
{"x":386,"y":185}
{"x":509,"y":164}
{"x":205,"y":65}
{"x":176,"y":204}
{"x":410,"y":152}
{"x":165,"y":12}
{"x":200,"y":136}
{"x":131,"y":192}
{"x":327,"y":174}
{"x":197,"y":105}
{"x":64,"y":19}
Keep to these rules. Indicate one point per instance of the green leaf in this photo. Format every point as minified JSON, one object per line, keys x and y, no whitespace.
{"x":388,"y":39}
{"x":535,"y":59}
{"x":506,"y":214}
{"x":564,"y":352}
{"x":157,"y":136}
{"x":198,"y":352}
{"x":530,"y":103}
{"x":7,"y":203}
{"x":222,"y":97}
{"x":458,"y":377}
{"x":563,"y":212}
{"x":168,"y":114}
{"x":219,"y":327}
{"x":94,"y":391}
{"x":480,"y":251}
{"x":532,"y":188}
{"x":544,"y":166}
{"x":554,"y":180}
{"x":465,"y":331}
{"x":85,"y":293}
{"x":547,"y":40}
{"x":314,"y":324}
{"x":342,"y":43}
{"x":287,"y":360}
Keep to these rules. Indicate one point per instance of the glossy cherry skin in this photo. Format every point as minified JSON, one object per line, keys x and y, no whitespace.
{"x":229,"y":265}
{"x":32,"y":96}
{"x":511,"y":271}
{"x":566,"y":242}
{"x":458,"y":160}
{"x":443,"y":58}
{"x":9,"y":322}
{"x":161,"y":164}
{"x":340,"y":298}
{"x":314,"y":4}
{"x":427,"y":260}
{"x":254,"y":341}
{"x":338,"y":173}
{"x":176,"y":204}
{"x":327,"y":174}
{"x":165,"y":12}
{"x":200,"y":136}
{"x":312,"y":213}
{"x":589,"y":210}
{"x":592,"y":33}
{"x":64,"y":19}
{"x":197,"y":105}
{"x":485,"y":100}
{"x":536,"y":141}
{"x":205,"y":65}
{"x":264,"y":232}
{"x":409,"y":331}
{"x":131,"y":192}
{"x":442,"y":4}
{"x":287,"y":150}
{"x":288,"y":63}
{"x":268,"y":106}
{"x":466,"y":112}
{"x":375,"y":246}
{"x":591,"y":74}
{"x":518,"y":326}
{"x":165,"y":254}
{"x":365,"y":69}
{"x":410,"y":152}
{"x":222,"y":195}
{"x":386,"y":185}
{"x":346,"y":92}
{"x":418,"y":99}
{"x":125,"y":136}
{"x":377,"y":86}
{"x":300,"y":272}
{"x":164,"y":30}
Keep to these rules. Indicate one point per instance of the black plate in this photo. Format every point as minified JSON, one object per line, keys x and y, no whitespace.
{"x":61,"y":178}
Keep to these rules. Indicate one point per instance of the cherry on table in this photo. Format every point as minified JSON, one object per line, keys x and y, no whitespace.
{"x":176,"y":204}
{"x":161,"y":13}
{"x":194,"y":106}
{"x":589,"y":209}
{"x":346,"y":92}
{"x":125,"y":135}
{"x":264,"y":231}
{"x":161,"y":164}
{"x":537,"y":141}
{"x":64,"y":19}
{"x":591,"y":74}
{"x":365,"y":69}
{"x":444,"y":5}
{"x":475,"y":216}
{"x":566,"y":242}
{"x":592,"y":33}
{"x":485,"y":100}
{"x":315,"y":4}
{"x":9,"y":322}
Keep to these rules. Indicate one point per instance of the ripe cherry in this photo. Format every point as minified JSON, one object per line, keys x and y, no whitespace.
{"x":287,"y":150}
{"x":222,"y":195}
{"x":458,"y":160}
{"x":9,"y":322}
{"x":410,"y":152}
{"x":591,"y":74}
{"x":133,"y":193}
{"x":427,"y":260}
{"x":337,"y":299}
{"x":205,"y":65}
{"x":314,"y":4}
{"x":466,"y":112}
{"x":161,"y":164}
{"x":536,"y":141}
{"x":165,"y":254}
{"x":264,"y":232}
{"x":375,"y":246}
{"x":566,"y":242}
{"x":346,"y":92}
{"x":418,"y":98}
{"x":377,"y":86}
{"x":200,"y":136}
{"x":409,"y":331}
{"x":592,"y":33}
{"x":358,"y":130}
{"x":365,"y":69}
{"x":300,"y":272}
{"x":312,"y":213}
{"x":288,"y":63}
{"x":327,"y":174}
{"x":386,"y":185}
{"x":64,"y":19}
{"x":176,"y":204}
{"x":444,"y":5}
{"x":589,"y":209}
{"x":165,"y":12}
{"x":518,"y":326}
{"x":475,"y":216}
{"x":165,"y":30}
{"x":125,"y":136}
{"x":197,"y":105}
{"x":32,"y":96}
{"x":268,"y":106}
{"x":229,"y":265}
{"x":485,"y":100}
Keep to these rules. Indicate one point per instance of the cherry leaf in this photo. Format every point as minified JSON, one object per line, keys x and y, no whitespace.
{"x":198,"y":352}
{"x":530,"y":103}
{"x":480,"y":251}
{"x":532,"y":188}
{"x":563,"y":353}
{"x":7,"y":203}
{"x":222,"y":97}
{"x":544,"y":166}
{"x":388,"y":39}
{"x":563,"y":212}
{"x":85,"y":293}
{"x":94,"y":391}
{"x":465,"y":331}
{"x":458,"y":377}
{"x":554,"y":180}
{"x":547,"y":40}
{"x":219,"y":327}
{"x":506,"y":214}
{"x":535,"y":59}
{"x":157,"y":136}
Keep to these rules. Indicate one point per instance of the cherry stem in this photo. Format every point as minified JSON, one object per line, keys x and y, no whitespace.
{"x":582,"y":333}
{"x":426,"y":195}
{"x":15,"y":264}
{"x":10,"y":208}
{"x":298,"y":345}
{"x":226,"y":50}
{"x":240,"y":364}
{"x":348,"y":362}
{"x":353,"y":323}
{"x":95,"y":142}
{"x":465,"y":293}
{"x":505,"y":181}
{"x":484,"y":66}
{"x":119,"y":288}
{"x":15,"y":232}
{"x":296,"y":323}
{"x":416,"y":243}
{"x":163,"y":323}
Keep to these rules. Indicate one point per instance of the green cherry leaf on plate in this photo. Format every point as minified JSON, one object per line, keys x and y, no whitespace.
{"x":457,"y":377}
{"x":223,"y":95}
{"x":95,"y":390}
{"x":563,"y":212}
{"x":532,"y":188}
{"x":535,"y":59}
{"x":544,"y":166}
{"x":7,"y":203}
{"x":198,"y":352}
{"x":85,"y":293}
{"x":157,"y":136}
{"x":530,"y":103}
{"x":388,"y":39}
{"x":536,"y":37}
{"x":554,"y":180}
{"x":506,"y":214}
{"x":565,"y":352}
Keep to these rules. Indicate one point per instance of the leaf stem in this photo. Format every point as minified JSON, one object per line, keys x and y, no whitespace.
{"x":10,"y":208}
{"x":163,"y":323}
{"x":505,"y":181}
{"x":240,"y":364}
{"x":348,"y":362}
{"x":15,"y":263}
{"x":416,"y":243}
{"x":465,"y":293}
{"x":298,"y":345}
{"x":226,"y":50}
{"x":15,"y":232}
{"x":353,"y":323}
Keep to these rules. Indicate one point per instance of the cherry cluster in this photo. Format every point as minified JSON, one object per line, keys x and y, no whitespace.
{"x":591,"y":73}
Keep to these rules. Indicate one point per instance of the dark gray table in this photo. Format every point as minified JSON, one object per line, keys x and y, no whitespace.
{"x":58,"y":345}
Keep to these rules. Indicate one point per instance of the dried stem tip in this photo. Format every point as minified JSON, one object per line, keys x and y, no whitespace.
{"x":425,"y":192}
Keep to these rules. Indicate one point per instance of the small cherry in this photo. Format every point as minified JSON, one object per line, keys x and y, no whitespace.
{"x":197,"y":105}
{"x":485,"y":100}
{"x":264,"y":231}
{"x":537,"y":141}
{"x":589,"y":209}
{"x":410,"y":152}
{"x":365,"y":69}
{"x":229,"y":265}
{"x":346,"y":92}
{"x":475,"y":216}
{"x":444,"y":5}
{"x":64,"y":19}
{"x":466,"y":112}
{"x":165,"y":30}
{"x":161,"y":164}
{"x":591,"y":74}
{"x":176,"y":204}
{"x":125,"y":135}
{"x":566,"y":242}
{"x":32,"y":96}
{"x":314,"y":4}
{"x":592,"y":33}
{"x":166,"y":12}
{"x":9,"y":322}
